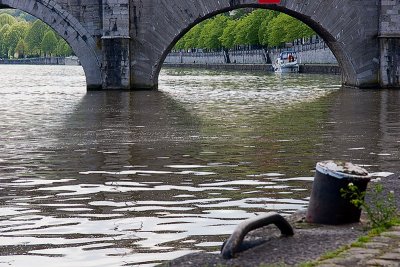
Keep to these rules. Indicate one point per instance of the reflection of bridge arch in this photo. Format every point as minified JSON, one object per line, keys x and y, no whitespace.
{"x":69,"y":28}
{"x":339,"y":24}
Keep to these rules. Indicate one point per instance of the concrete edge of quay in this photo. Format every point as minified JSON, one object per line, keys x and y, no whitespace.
{"x":304,"y":68}
{"x":265,"y":247}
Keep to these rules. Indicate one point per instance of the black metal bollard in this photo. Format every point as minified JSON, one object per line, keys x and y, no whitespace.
{"x":327,"y":205}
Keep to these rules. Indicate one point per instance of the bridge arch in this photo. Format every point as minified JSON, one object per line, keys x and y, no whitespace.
{"x":339,"y":24}
{"x":70,"y":29}
{"x":348,"y":70}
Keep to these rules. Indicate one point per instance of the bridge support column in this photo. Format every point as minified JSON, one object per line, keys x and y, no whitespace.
{"x":116,"y":45}
{"x":389,"y":36}
{"x":116,"y":65}
{"x":390,"y":62}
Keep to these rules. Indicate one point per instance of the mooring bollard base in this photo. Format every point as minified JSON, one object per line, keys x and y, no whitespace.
{"x":327,"y":205}
{"x":232,"y":245}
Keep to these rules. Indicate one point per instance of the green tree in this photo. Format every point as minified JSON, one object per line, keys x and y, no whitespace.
{"x":248,"y":28}
{"x":180,"y":44}
{"x":16,"y":25}
{"x":285,"y":28}
{"x":13,"y":35}
{"x":245,"y":27}
{"x":63,"y":49}
{"x":49,"y":43}
{"x":240,"y":32}
{"x":6,"y":19}
{"x":295,"y":29}
{"x":3,"y":47}
{"x":67,"y":50}
{"x":227,"y":38}
{"x":212,"y":31}
{"x":276,"y":30}
{"x":19,"y":15}
{"x":20,"y":49}
{"x":263,"y":31}
{"x":192,"y":37}
{"x":35,"y":36}
{"x":255,"y":20}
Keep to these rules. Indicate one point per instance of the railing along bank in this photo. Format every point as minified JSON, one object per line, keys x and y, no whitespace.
{"x":309,"y":53}
{"x":43,"y":61}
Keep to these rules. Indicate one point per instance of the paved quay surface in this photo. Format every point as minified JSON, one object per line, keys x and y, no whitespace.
{"x":382,"y":250}
{"x":309,"y":243}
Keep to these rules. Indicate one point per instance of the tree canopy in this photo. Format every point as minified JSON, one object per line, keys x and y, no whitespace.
{"x":49,"y":43}
{"x":6,"y":19}
{"x":34,"y":37}
{"x":244,"y":27}
{"x":21,"y":35}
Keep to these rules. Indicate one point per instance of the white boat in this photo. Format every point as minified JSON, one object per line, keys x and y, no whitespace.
{"x":286,"y":63}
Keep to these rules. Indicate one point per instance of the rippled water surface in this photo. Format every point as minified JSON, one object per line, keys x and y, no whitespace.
{"x":124,"y":179}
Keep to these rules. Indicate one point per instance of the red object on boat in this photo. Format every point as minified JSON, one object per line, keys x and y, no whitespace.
{"x":269,"y":1}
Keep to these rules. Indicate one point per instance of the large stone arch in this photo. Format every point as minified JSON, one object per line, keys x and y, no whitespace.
{"x":349,"y":29}
{"x":69,"y":28}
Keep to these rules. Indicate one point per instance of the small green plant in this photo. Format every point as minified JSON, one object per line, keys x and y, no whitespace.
{"x":381,"y":208}
{"x":361,"y":241}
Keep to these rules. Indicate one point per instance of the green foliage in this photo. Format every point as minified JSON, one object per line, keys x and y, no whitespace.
{"x":12,"y":36}
{"x":295,"y":29}
{"x":228,"y":34}
{"x":244,"y":27}
{"x":21,"y":35}
{"x":6,"y":19}
{"x":265,"y":24}
{"x":212,"y":31}
{"x":248,"y":31}
{"x":35,"y":36}
{"x":19,"y":15}
{"x":276,"y":30}
{"x":21,"y":49}
{"x":49,"y":43}
{"x":3,"y":47}
{"x":191,"y":39}
{"x":284,"y":28}
{"x":63,"y":49}
{"x":239,"y":32}
{"x":333,"y":254}
{"x":381,"y":208}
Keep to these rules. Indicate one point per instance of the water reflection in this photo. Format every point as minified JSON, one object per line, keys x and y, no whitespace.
{"x":113,"y":179}
{"x":365,"y":125}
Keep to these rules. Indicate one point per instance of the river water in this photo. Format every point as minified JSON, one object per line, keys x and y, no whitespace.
{"x":137,"y":178}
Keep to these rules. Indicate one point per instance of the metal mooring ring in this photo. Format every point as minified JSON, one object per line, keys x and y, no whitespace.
{"x":231,"y":246}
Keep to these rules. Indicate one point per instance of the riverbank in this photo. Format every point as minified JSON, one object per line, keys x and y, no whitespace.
{"x":73,"y":61}
{"x":304,"y":68}
{"x":309,"y":243}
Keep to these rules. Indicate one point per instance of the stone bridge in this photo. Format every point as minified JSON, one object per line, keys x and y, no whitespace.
{"x":122,"y":43}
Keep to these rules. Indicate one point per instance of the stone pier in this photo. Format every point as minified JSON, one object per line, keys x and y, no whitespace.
{"x":122,"y":44}
{"x":389,"y":40}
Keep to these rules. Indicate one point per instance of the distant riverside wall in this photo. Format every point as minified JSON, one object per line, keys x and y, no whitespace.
{"x":258,"y":56}
{"x":43,"y":61}
{"x":311,"y":53}
{"x":313,"y":58}
{"x":304,"y":68}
